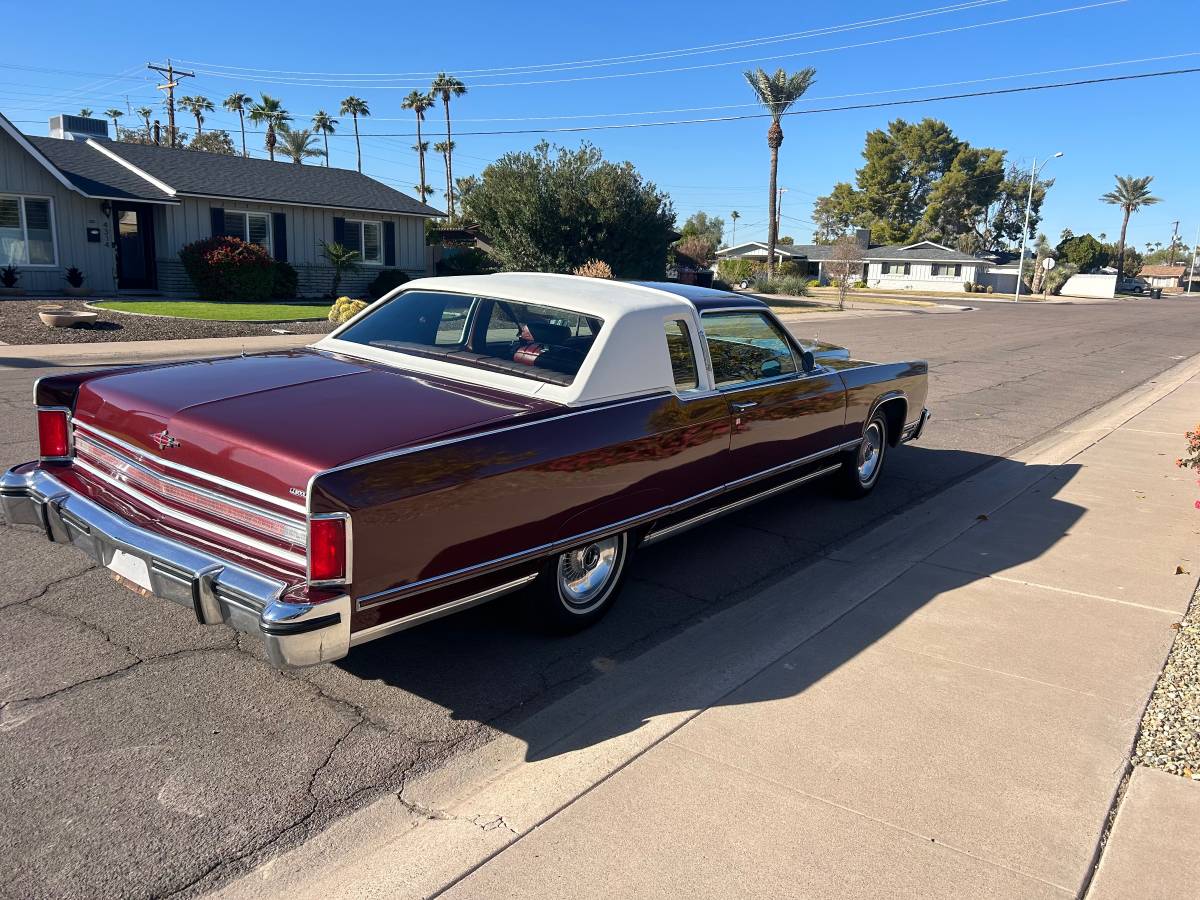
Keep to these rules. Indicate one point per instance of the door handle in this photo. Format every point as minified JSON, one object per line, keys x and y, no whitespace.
{"x":743,"y":405}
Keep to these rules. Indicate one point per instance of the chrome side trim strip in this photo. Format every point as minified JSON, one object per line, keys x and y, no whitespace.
{"x":195,"y":473}
{"x":389,"y":595}
{"x":671,"y":530}
{"x":437,"y":612}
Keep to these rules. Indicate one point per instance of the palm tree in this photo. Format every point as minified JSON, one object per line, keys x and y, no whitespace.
{"x":1131,"y":194}
{"x":355,"y":107}
{"x":446,"y":148}
{"x":419,"y":103}
{"x":145,"y":112}
{"x":270,"y":112}
{"x":298,"y":145}
{"x":444,"y":87}
{"x":113,"y":114}
{"x":734,"y":216}
{"x":777,"y":93}
{"x":238,"y":102}
{"x":324,"y":124}
{"x":85,"y":113}
{"x":197,"y":106}
{"x":341,"y":259}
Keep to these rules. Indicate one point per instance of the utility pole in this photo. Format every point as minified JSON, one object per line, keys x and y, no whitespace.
{"x":172,"y":74}
{"x":1174,"y":242}
{"x":1033,"y":174}
{"x":1192,"y":274}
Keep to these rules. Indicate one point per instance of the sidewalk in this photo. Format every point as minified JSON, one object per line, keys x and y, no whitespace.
{"x":944,"y":707}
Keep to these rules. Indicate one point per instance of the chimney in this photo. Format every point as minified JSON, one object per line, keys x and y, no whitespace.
{"x":77,"y":128}
{"x":863,"y":237}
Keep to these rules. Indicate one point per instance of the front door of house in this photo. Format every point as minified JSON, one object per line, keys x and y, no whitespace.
{"x":134,"y":226}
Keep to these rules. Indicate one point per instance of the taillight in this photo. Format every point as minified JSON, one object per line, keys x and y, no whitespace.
{"x":329,"y":549}
{"x":54,"y":433}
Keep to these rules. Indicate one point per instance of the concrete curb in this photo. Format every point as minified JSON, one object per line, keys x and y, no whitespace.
{"x":446,"y":824}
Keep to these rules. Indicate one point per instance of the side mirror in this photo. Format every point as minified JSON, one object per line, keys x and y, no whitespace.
{"x":807,"y":360}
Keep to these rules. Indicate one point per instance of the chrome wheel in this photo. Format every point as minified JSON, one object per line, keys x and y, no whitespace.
{"x":870,"y":453}
{"x":586,"y":573}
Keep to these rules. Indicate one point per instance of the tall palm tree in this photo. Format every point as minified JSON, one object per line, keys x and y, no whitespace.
{"x":270,"y":112}
{"x":324,"y":124}
{"x":238,"y":102}
{"x":420,"y":103}
{"x":446,"y":148}
{"x":444,"y":87}
{"x":1131,"y":194}
{"x":113,"y":114}
{"x":85,"y":113}
{"x":197,"y":106}
{"x":355,"y":107}
{"x":777,"y":93}
{"x":298,"y":145}
{"x":734,"y":216}
{"x":145,"y":113}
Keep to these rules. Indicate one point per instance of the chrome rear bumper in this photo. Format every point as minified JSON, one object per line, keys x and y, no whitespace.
{"x":218,"y":591}
{"x":913,"y":431}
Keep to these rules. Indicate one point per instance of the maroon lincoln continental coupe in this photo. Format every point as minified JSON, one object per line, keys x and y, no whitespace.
{"x":458,"y":440}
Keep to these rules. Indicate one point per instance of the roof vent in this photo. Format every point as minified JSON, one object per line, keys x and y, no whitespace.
{"x":77,"y":128}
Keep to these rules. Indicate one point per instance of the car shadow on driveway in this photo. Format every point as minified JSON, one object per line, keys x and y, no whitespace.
{"x":487,"y":665}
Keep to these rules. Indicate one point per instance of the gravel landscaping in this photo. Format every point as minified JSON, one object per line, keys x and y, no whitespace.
{"x":1170,"y":735}
{"x":19,"y":324}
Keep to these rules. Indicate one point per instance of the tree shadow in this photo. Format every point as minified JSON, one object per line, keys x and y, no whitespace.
{"x":487,"y":665}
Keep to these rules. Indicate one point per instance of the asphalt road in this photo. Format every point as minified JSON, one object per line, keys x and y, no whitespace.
{"x":142,"y":755}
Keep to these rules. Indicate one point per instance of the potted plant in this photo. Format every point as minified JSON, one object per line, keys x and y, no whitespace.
{"x":75,"y":286}
{"x":9,"y":276}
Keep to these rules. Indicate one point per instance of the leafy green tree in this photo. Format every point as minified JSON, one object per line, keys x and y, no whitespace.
{"x":837,"y":212}
{"x":1084,"y":252}
{"x":238,"y":102}
{"x":445,"y":87}
{"x":211,"y":141}
{"x":270,"y":112}
{"x":553,"y":209}
{"x":777,"y":93}
{"x":1131,"y":194}
{"x":420,"y":103}
{"x":354,"y":107}
{"x":698,"y":224}
{"x":298,"y":145}
{"x":324,"y":124}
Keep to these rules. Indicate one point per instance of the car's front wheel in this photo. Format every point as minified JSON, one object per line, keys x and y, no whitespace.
{"x":862,"y":467}
{"x":578,"y":587}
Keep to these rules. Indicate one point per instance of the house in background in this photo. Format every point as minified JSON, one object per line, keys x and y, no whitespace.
{"x":1169,"y":277}
{"x":121,"y":212}
{"x":909,"y":267}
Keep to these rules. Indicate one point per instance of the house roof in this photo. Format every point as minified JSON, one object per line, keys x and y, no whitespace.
{"x":922,"y":250}
{"x":95,"y":174}
{"x":1163,"y":271}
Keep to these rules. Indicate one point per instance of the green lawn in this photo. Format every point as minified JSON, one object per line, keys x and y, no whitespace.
{"x":220,"y":312}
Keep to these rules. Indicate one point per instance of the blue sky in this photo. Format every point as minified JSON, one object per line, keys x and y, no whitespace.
{"x":381,"y":50}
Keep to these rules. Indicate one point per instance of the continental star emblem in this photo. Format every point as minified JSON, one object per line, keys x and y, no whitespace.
{"x":164,"y":440}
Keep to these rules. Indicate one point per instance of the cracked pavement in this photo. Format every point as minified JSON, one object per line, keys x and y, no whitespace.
{"x":143,"y":755}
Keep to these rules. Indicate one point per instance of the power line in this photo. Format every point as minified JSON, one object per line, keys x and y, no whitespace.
{"x":546,"y":68}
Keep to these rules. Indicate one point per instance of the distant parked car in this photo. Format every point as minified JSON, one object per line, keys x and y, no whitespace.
{"x":1131,"y":286}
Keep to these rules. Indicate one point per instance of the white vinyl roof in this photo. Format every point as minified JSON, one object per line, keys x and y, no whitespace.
{"x":628,"y":358}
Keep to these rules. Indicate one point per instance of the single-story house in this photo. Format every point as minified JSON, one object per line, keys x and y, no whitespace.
{"x":121,"y":212}
{"x":1170,"y":277}
{"x":920,"y":266}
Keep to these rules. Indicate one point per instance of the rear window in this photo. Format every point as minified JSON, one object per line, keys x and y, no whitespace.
{"x":543,"y":343}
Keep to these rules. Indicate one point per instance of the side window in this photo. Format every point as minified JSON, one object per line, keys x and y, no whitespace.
{"x":683,"y":356}
{"x":745,"y":347}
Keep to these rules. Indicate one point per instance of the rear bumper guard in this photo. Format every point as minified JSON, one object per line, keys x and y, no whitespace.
{"x":217,"y":590}
{"x":913,"y":432}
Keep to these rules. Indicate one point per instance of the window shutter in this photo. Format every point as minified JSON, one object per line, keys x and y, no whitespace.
{"x":339,"y":230}
{"x":389,"y":243}
{"x":218,"y":220}
{"x":279,"y":233}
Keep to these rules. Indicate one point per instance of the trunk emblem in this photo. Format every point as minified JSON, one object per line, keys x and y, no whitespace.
{"x":164,"y":440}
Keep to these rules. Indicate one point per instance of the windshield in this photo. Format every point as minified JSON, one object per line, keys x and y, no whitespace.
{"x":525,"y":339}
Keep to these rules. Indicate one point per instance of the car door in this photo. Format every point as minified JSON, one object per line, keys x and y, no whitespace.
{"x":779,"y":413}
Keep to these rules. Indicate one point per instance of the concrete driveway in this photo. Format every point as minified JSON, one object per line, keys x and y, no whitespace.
{"x":126,"y":725}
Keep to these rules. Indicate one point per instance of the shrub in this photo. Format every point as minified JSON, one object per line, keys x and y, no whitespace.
{"x":228,"y":268}
{"x":74,"y":277}
{"x":344,"y":309}
{"x":1056,"y":278}
{"x":386,"y":281}
{"x":720,"y":284}
{"x":787,"y":268}
{"x":284,"y":282}
{"x":594,"y":268}
{"x":737,"y":270}
{"x":990,"y":289}
{"x":859,"y":284}
{"x":762,"y":286}
{"x":813,"y":282}
{"x":9,"y":276}
{"x":969,"y":287}
{"x":472,"y":261}
{"x":791,"y":284}
{"x":695,"y":252}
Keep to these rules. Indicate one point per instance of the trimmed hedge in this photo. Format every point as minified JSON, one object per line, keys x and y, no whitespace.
{"x":229,"y":269}
{"x":385,"y":281}
{"x":285,"y":283}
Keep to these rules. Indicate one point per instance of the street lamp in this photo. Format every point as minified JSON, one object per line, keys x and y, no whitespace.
{"x":1033,"y":174}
